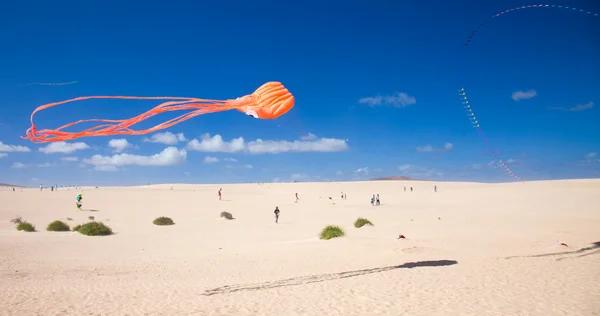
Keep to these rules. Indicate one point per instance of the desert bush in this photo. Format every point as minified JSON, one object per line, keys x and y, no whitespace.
{"x":95,"y":229}
{"x":226,"y":215}
{"x":360,"y":222}
{"x":162,"y":221}
{"x":331,"y":232}
{"x":76,"y":228}
{"x":25,"y":226}
{"x":58,"y":226}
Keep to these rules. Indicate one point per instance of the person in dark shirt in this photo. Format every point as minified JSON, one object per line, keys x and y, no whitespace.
{"x":276,"y":214}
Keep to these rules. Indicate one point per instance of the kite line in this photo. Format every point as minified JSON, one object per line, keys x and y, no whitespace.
{"x":463,"y":93}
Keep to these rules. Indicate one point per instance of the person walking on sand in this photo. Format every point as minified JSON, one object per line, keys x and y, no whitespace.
{"x":373,"y":200}
{"x":220,"y":193}
{"x":377,"y":200}
{"x":276,"y":214}
{"x":435,"y":188}
{"x":297,"y":198}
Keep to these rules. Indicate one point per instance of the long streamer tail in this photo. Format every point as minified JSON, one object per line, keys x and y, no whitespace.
{"x":195,"y":107}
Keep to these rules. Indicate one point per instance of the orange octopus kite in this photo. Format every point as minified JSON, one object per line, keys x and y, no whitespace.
{"x":269,"y":101}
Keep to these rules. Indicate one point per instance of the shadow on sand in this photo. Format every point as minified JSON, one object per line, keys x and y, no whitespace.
{"x":583,"y":252}
{"x":323,"y":277}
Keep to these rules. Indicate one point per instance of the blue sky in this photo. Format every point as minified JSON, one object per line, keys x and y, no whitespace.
{"x":374,"y":82}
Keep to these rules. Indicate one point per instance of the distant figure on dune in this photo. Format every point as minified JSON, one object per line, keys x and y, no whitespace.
{"x":404,"y":188}
{"x":220,"y":193}
{"x":377,"y":201}
{"x":411,"y":189}
{"x":297,"y":198}
{"x":373,"y":200}
{"x":435,"y":188}
{"x":13,"y":189}
{"x":276,"y":214}
{"x":79,"y":198}
{"x":41,"y":187}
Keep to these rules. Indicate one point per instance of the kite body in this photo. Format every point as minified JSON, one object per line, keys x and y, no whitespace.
{"x":270,"y":101}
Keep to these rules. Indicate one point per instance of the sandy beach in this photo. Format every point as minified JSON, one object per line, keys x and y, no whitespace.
{"x":470,"y":249}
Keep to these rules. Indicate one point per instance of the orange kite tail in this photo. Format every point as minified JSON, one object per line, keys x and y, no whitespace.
{"x":269,"y":101}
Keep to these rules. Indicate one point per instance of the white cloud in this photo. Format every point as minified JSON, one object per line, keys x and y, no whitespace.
{"x":576,"y":108}
{"x":209,"y":159}
{"x":339,"y":173}
{"x":230,"y":159}
{"x":429,"y":148}
{"x":166,"y":138}
{"x":118,"y":145}
{"x":13,"y":148}
{"x":45,"y":165}
{"x":18,"y":165}
{"x":398,"y":99}
{"x":377,"y":170}
{"x":216,"y":144}
{"x":69,"y":159}
{"x":510,"y":160}
{"x":362,"y":171}
{"x":187,"y":173}
{"x":63,"y":147}
{"x":168,"y":157}
{"x":259,"y":146}
{"x":523,"y":95}
{"x":476,"y":166}
{"x":2,"y":155}
{"x":309,"y":137}
{"x":591,"y":155}
{"x":248,"y":166}
{"x":282,"y":146}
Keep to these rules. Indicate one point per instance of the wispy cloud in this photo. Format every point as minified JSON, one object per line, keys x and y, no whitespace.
{"x":168,"y":157}
{"x":2,"y":155}
{"x":362,"y":171}
{"x":339,"y":173}
{"x":259,"y":146}
{"x":119,"y":145}
{"x":511,"y":160}
{"x":476,"y":166}
{"x":429,"y":148}
{"x":415,"y":171}
{"x":63,"y":147}
{"x":230,"y":159}
{"x":166,"y":138}
{"x":523,"y":95}
{"x":398,"y":99}
{"x":18,"y":165}
{"x":46,"y":165}
{"x":69,"y":159}
{"x":591,"y":156}
{"x":209,"y":159}
{"x":576,"y":108}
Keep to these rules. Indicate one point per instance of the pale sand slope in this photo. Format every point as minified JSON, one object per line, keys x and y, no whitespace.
{"x":493,"y":252}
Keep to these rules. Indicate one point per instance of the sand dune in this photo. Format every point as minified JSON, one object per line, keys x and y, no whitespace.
{"x":471,"y":249}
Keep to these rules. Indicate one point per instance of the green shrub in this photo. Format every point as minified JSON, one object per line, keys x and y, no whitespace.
{"x":76,"y":228}
{"x":163,"y":221}
{"x":58,"y":226}
{"x":26,"y":227}
{"x":331,"y":232}
{"x":95,"y":229}
{"x":360,"y":222}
